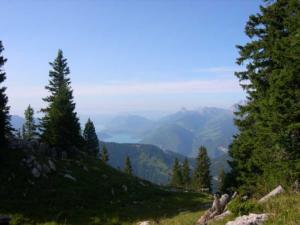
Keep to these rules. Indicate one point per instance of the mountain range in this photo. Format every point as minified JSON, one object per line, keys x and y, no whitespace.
{"x":182,"y":132}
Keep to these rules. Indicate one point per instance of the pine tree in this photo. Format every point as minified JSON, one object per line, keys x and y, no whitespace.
{"x":128,"y":167}
{"x":29,"y":127}
{"x":5,"y":127}
{"x":176,"y":179}
{"x":201,"y":175}
{"x":60,"y":125}
{"x":91,"y":139}
{"x":221,"y":181}
{"x":266,"y":149}
{"x":104,"y":154}
{"x":186,"y":179}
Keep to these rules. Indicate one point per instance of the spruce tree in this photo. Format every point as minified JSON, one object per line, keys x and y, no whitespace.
{"x":60,"y":125}
{"x":5,"y":127}
{"x":176,"y":179}
{"x":104,"y":154}
{"x":186,"y":179}
{"x":29,"y":126}
{"x":265,"y":152}
{"x":221,"y":181}
{"x":201,"y":175}
{"x":128,"y":167}
{"x":91,"y":139}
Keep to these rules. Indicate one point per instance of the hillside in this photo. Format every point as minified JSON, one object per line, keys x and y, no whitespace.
{"x":152,"y":163}
{"x":81,"y":191}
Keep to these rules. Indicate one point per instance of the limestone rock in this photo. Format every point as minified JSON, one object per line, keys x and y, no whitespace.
{"x":251,"y":219}
{"x":35,"y":172}
{"x":70,"y":177}
{"x":52,"y":165}
{"x":144,"y":223}
{"x":276,"y":191}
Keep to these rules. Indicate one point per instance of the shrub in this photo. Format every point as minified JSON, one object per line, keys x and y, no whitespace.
{"x":243,"y":207}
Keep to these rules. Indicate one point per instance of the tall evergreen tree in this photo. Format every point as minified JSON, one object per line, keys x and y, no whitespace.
{"x":176,"y":179}
{"x":266,"y":149}
{"x":186,"y":179}
{"x":128,"y":167}
{"x":201,"y":175}
{"x":91,"y":139}
{"x":104,"y":154}
{"x":221,"y":181}
{"x":5,"y":127}
{"x":60,"y":125}
{"x":29,"y":127}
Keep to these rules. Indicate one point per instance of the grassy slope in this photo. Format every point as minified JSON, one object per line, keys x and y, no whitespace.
{"x":97,"y":197}
{"x":283,"y":210}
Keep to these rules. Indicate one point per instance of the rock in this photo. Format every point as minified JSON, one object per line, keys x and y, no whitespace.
{"x":251,"y":219}
{"x":64,"y":155}
{"x":46,"y":168}
{"x":70,"y":177}
{"x":4,"y":220}
{"x":53,"y":152}
{"x":35,"y":172}
{"x":51,"y":165}
{"x":223,"y":215}
{"x":124,"y":187}
{"x":297,"y":186}
{"x":112,"y":192}
{"x":43,"y":148}
{"x":85,"y":169}
{"x":276,"y":191}
{"x":144,"y":223}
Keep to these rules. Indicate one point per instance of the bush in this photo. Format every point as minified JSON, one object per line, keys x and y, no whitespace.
{"x":241,"y":207}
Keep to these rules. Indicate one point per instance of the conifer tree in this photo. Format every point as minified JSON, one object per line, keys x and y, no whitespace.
{"x":5,"y":127}
{"x":176,"y":179}
{"x":104,"y":154}
{"x":221,"y":181}
{"x":128,"y":167}
{"x":266,"y":149}
{"x":186,"y":179}
{"x":91,"y":139}
{"x":29,"y":127}
{"x":60,"y":125}
{"x":201,"y":175}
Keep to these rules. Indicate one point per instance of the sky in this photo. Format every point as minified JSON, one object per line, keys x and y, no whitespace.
{"x":126,"y":55}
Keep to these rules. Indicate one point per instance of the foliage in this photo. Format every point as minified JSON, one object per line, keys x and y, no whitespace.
{"x":201,"y":176}
{"x":269,"y":125}
{"x":90,"y":138}
{"x":128,"y":167}
{"x":5,"y":127}
{"x":60,"y":125}
{"x":104,"y":154}
{"x":29,"y":126}
{"x":221,"y":181}
{"x":241,"y":207}
{"x":176,"y":179}
{"x":186,"y":177}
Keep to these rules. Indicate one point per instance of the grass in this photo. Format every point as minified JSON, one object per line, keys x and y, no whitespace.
{"x":283,"y":210}
{"x":101,"y":195}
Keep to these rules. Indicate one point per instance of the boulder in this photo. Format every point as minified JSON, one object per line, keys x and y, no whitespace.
{"x":51,"y":165}
{"x":144,"y":223}
{"x":70,"y":177}
{"x":251,"y":219}
{"x":276,"y":191}
{"x":35,"y":172}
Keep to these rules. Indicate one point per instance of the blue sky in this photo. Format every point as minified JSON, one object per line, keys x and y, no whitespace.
{"x":126,"y":56}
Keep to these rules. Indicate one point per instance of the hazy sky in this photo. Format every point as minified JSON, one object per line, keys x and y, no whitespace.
{"x":126,"y":55}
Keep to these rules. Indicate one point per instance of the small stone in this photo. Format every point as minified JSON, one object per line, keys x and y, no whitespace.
{"x":70,"y":177}
{"x":35,"y":172}
{"x":51,"y":165}
{"x":124,"y":187}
